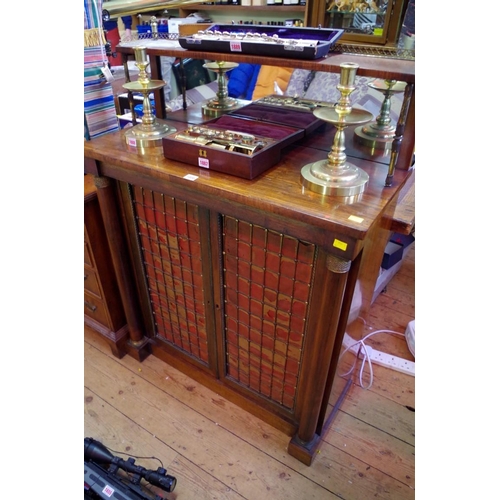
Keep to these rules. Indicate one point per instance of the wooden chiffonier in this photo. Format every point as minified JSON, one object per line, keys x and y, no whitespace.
{"x":246,"y":285}
{"x":103,"y":310}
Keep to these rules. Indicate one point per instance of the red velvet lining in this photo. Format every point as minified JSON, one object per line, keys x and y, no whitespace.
{"x":300,"y":119}
{"x":262,"y":129}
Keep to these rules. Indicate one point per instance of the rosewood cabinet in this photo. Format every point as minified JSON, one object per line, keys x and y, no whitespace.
{"x":246,"y":285}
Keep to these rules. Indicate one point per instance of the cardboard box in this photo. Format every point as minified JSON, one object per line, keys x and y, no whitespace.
{"x":173,"y":24}
{"x":402,"y":239}
{"x":392,"y":255}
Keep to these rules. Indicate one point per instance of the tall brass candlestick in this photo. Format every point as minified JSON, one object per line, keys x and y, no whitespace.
{"x":146,"y":137}
{"x":380,"y":133}
{"x":335,"y":176}
{"x":222,"y":102}
{"x":153,"y":22}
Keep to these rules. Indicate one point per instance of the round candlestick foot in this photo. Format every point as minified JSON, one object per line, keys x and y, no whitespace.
{"x":321,"y":178}
{"x":216,"y":107}
{"x":374,"y":137}
{"x":147,"y":139}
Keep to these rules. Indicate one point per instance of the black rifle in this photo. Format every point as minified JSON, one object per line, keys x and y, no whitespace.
{"x":103,"y":479}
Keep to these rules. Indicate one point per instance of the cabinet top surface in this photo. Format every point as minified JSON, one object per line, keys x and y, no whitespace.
{"x":278,"y":191}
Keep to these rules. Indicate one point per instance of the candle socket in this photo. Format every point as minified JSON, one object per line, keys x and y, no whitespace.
{"x":140,"y":55}
{"x":348,"y":74}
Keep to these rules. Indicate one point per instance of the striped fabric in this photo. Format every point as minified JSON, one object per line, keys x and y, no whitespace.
{"x":99,"y":104}
{"x":98,"y":100}
{"x":93,"y":13}
{"x":93,"y":56}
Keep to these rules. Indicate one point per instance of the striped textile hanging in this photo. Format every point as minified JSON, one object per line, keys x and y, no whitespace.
{"x":92,"y":57}
{"x":92,"y":14}
{"x":99,"y":104}
{"x":98,"y":100}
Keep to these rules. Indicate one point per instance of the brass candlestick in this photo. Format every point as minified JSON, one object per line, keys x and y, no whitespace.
{"x":380,"y":133}
{"x":335,"y":176}
{"x":222,"y":102}
{"x":153,"y":22}
{"x":146,"y":137}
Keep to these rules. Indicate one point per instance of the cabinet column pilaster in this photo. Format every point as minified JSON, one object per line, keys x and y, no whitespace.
{"x":322,"y":335}
{"x":137,"y":345}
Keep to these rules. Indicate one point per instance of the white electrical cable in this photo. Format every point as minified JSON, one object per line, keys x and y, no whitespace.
{"x":366,"y":356}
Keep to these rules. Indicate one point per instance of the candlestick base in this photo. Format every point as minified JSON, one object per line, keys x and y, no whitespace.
{"x":375,"y":137}
{"x":320,"y":177}
{"x":147,"y":139}
{"x":216,"y":107}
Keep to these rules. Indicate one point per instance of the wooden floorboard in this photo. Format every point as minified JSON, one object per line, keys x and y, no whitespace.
{"x":218,"y":451}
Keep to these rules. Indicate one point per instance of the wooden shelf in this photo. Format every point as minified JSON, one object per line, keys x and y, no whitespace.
{"x":376,"y":67}
{"x":242,"y":8}
{"x":260,"y":14}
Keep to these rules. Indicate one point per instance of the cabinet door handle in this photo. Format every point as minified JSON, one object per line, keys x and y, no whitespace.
{"x":85,"y":276}
{"x":92,"y":307}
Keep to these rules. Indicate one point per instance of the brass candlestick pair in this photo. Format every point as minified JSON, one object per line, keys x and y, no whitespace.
{"x":335,"y":176}
{"x":146,"y":137}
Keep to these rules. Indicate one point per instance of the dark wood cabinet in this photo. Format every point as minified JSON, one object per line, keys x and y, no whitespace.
{"x":246,"y":285}
{"x":103,"y":310}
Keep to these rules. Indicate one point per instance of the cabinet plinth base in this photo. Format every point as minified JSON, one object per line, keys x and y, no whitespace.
{"x":304,"y":452}
{"x":116,"y":340}
{"x":139,"y":350}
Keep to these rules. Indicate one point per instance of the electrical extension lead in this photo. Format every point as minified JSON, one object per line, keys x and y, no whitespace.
{"x":370,"y":355}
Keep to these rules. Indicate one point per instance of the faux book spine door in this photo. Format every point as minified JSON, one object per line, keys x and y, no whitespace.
{"x":240,"y":302}
{"x":267,"y":285}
